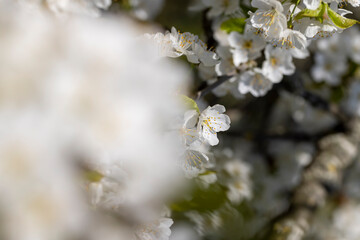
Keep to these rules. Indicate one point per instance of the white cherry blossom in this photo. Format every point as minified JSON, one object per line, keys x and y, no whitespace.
{"x":163,"y":44}
{"x":195,"y":161}
{"x":268,"y":17}
{"x":211,"y":121}
{"x":201,"y":54}
{"x":312,"y":4}
{"x":182,"y":42}
{"x":277,"y":64}
{"x":255,"y":82}
{"x":189,"y":131}
{"x":328,"y":68}
{"x":226,"y":65}
{"x":290,"y":39}
{"x":246,"y":46}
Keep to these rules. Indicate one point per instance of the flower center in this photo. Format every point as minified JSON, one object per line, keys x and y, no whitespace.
{"x":268,"y":17}
{"x":273,"y":61}
{"x":328,"y":66}
{"x":248,"y":44}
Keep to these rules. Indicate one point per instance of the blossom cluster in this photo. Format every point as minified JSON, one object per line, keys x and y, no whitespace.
{"x":109,"y":129}
{"x":199,"y":131}
{"x":175,"y":44}
{"x":284,"y":30}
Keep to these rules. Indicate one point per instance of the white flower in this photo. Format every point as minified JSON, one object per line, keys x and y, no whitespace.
{"x":246,"y":46}
{"x":268,"y":17}
{"x":182,"y":42}
{"x":238,"y":190}
{"x":226,"y":65}
{"x":189,"y":131}
{"x":236,"y":178}
{"x":313,"y":28}
{"x":255,"y":82}
{"x":211,"y":121}
{"x":194,"y":162}
{"x":89,"y":95}
{"x":164,"y":45}
{"x":176,"y":44}
{"x":237,"y":169}
{"x":329,"y":68}
{"x":333,"y":46}
{"x":201,"y":54}
{"x":277,"y":64}
{"x":156,"y":230}
{"x":311,"y":4}
{"x":291,"y":39}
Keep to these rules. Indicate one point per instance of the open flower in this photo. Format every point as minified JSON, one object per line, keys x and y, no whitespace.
{"x":226,"y":65}
{"x":268,"y":17}
{"x":328,"y":68}
{"x":255,"y":82}
{"x":195,"y":162}
{"x":212,"y":120}
{"x":182,"y":42}
{"x":189,"y":131}
{"x":291,"y":39}
{"x":246,"y":46}
{"x":163,"y":44}
{"x":277,"y":64}
{"x":202,"y":55}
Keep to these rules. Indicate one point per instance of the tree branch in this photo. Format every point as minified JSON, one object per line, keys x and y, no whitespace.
{"x":209,"y":88}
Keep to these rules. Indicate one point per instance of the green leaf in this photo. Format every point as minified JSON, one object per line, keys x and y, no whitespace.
{"x":234,"y":25}
{"x":317,"y":13}
{"x":340,"y":21}
{"x":202,"y":200}
{"x":190,"y":103}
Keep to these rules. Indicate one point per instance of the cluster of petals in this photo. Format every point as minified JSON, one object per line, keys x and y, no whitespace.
{"x":200,"y":130}
{"x":175,"y":44}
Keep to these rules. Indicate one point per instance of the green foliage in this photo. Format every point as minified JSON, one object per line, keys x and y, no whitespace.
{"x":203,"y":199}
{"x":317,"y":13}
{"x":325,"y":12}
{"x":340,"y":21}
{"x":189,"y":103}
{"x":234,"y":25}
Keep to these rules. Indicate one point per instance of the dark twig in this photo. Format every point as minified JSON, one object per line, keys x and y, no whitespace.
{"x":209,"y":33}
{"x":209,"y":88}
